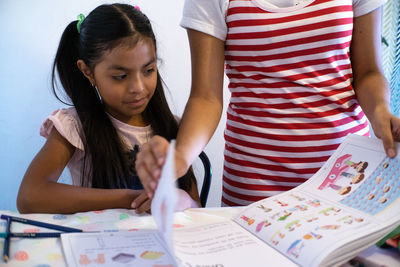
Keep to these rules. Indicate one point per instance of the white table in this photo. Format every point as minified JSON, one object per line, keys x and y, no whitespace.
{"x":46,"y":252}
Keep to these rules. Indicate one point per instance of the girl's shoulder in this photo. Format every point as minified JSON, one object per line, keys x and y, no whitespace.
{"x":67,"y":123}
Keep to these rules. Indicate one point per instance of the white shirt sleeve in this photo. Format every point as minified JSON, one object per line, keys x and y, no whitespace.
{"x":207,"y":16}
{"x":362,"y":7}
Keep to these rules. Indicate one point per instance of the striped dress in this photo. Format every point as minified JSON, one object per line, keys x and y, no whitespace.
{"x":290,"y":77}
{"x":292,"y":100}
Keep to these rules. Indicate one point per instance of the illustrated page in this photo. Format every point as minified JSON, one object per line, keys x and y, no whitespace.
{"x":358,"y":188}
{"x":299,"y":225}
{"x":127,"y":248}
{"x":360,"y":175}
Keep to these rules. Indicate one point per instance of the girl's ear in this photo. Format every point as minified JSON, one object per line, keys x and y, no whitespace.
{"x":86,"y":71}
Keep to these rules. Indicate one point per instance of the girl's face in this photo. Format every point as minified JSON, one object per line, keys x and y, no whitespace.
{"x":126,"y":79}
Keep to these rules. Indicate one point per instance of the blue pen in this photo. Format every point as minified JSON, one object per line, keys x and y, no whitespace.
{"x":6,"y":248}
{"x":41,"y":224}
{"x":30,"y":235}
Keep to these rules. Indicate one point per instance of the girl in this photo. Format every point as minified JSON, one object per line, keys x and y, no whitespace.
{"x":302,"y":74}
{"x":107,"y":66}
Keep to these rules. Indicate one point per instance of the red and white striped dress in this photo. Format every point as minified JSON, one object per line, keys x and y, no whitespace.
{"x":292,"y":100}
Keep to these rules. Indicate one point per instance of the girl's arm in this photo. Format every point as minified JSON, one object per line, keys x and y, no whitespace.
{"x":370,"y":85}
{"x":201,"y":116}
{"x":40,"y":193}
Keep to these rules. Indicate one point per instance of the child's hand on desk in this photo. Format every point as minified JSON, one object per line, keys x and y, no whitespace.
{"x":143,"y":204}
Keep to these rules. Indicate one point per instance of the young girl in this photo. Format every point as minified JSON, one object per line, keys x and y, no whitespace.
{"x":107,"y":66}
{"x":302,"y":74}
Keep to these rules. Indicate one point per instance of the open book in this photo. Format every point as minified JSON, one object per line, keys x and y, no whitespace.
{"x":136,"y":247}
{"x":347,"y":206}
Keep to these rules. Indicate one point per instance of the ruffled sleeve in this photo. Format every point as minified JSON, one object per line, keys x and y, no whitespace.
{"x":67,"y":123}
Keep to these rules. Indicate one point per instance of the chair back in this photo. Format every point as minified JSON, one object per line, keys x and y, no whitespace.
{"x":205,"y":188}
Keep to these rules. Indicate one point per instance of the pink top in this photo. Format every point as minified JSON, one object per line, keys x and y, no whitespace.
{"x":67,"y":123}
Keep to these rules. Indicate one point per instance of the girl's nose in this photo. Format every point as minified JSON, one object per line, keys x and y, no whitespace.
{"x":136,"y":85}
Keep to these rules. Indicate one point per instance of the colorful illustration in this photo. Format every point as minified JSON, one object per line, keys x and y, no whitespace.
{"x":262,"y":224}
{"x":151,"y":255}
{"x":274,"y":238}
{"x":84,"y":260}
{"x":314,"y":203}
{"x":249,"y":221}
{"x":282,"y":204}
{"x":100,"y":259}
{"x":123,"y":257}
{"x":297,"y":197}
{"x":328,"y":227}
{"x":295,"y":248}
{"x":301,"y":207}
{"x":330,"y":211}
{"x":379,"y":191}
{"x":264,"y":208}
{"x":310,"y":218}
{"x":312,"y":235}
{"x":292,"y":225}
{"x":339,"y":167}
{"x":359,"y":167}
{"x":281,"y":215}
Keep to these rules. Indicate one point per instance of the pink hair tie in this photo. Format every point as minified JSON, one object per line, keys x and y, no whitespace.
{"x":137,"y":7}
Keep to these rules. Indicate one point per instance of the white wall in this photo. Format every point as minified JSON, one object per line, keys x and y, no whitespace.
{"x":29,"y":35}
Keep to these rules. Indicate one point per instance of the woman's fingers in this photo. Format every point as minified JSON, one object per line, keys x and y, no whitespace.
{"x":149,"y":163}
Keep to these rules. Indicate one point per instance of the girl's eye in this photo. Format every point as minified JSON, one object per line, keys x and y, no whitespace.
{"x":119,"y":77}
{"x":150,"y":71}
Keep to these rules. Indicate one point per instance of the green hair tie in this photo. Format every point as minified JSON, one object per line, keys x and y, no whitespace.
{"x":81,"y":18}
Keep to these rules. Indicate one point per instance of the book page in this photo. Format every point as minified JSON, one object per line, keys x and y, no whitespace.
{"x":352,"y":196}
{"x":126,"y":248}
{"x":360,"y":175}
{"x":165,"y":198}
{"x":224,"y":244}
{"x":137,"y":248}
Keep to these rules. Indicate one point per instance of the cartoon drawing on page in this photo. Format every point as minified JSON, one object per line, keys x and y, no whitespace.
{"x":379,"y":190}
{"x":338,"y":167}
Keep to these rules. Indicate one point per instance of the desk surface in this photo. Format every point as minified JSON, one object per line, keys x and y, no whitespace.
{"x":46,"y":252}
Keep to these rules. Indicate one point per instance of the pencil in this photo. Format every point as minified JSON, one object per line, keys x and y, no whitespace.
{"x":6,"y":248}
{"x":30,"y":235}
{"x":41,"y":224}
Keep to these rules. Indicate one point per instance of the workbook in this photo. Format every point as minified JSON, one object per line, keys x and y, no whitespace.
{"x":134,"y":247}
{"x":346,"y":207}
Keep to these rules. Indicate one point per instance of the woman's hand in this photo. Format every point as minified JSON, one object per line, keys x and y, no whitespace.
{"x":370,"y":85}
{"x":149,"y":163}
{"x":386,"y":126}
{"x":151,"y":159}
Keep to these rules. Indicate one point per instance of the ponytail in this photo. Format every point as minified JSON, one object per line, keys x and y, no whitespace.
{"x":106,"y":159}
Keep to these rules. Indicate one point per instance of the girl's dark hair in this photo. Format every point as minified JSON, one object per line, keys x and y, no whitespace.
{"x":106,"y":164}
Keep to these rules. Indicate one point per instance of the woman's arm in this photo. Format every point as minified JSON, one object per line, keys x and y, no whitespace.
{"x":370,"y":85}
{"x":40,"y":193}
{"x":201,"y":116}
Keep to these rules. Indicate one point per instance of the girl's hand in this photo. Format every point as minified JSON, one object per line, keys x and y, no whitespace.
{"x":386,"y":126}
{"x":149,"y":163}
{"x":142,"y":203}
